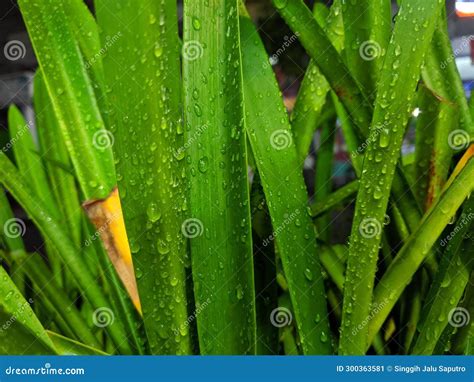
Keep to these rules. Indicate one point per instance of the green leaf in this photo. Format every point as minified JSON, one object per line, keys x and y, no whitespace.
{"x":444,"y":108}
{"x":21,"y":331}
{"x":448,"y":287}
{"x":29,"y":163}
{"x":72,"y":94}
{"x":323,"y":52}
{"x":398,"y":81}
{"x":67,"y":346}
{"x":266,"y":286}
{"x":447,"y":73}
{"x":356,"y":120}
{"x":433,"y":153}
{"x":56,"y":158}
{"x":148,"y":130}
{"x":14,"y":242}
{"x":40,"y":276}
{"x":275,"y":154}
{"x":471,"y":106}
{"x":412,"y":254}
{"x":39,"y":273}
{"x":324,"y":173}
{"x":54,"y":232}
{"x":333,"y":265}
{"x":319,"y":208}
{"x":462,"y":342}
{"x":367,"y":28}
{"x":221,"y":248}
{"x":314,"y":87}
{"x":31,"y":168}
{"x":86,"y":33}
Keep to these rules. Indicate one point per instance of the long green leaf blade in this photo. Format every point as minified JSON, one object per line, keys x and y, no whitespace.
{"x":27,"y":157}
{"x":31,"y":167}
{"x":462,"y":341}
{"x":433,"y":153}
{"x":266,"y":286}
{"x":448,"y":71}
{"x":412,"y":254}
{"x":267,"y":125}
{"x":54,"y":152}
{"x":219,"y":200}
{"x":72,"y":94}
{"x":367,"y":28}
{"x":448,"y":287}
{"x":314,"y":87}
{"x":148,"y":131}
{"x":399,"y":78}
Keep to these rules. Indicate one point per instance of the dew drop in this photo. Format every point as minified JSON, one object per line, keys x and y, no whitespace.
{"x":153,"y":212}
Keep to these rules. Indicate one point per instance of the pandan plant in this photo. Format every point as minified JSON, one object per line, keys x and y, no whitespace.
{"x":167,"y":183}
